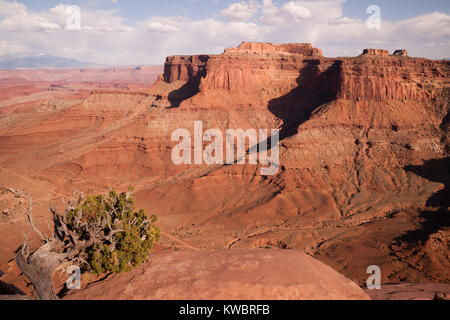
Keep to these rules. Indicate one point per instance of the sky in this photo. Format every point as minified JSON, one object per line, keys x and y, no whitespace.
{"x":143,"y":32}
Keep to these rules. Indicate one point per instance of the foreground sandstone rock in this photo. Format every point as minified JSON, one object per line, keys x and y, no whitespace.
{"x":227,"y":275}
{"x":411,"y":291}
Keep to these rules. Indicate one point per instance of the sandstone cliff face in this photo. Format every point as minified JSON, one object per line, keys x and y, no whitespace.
{"x":250,"y":67}
{"x":375,"y":52}
{"x":364,"y":143}
{"x":374,"y":76}
{"x":391,"y":78}
{"x":185,"y":68}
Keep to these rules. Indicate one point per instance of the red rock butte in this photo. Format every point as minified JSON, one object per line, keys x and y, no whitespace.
{"x":305,"y":49}
{"x":251,"y":65}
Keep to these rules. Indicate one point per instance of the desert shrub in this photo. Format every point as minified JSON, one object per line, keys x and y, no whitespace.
{"x":120,"y":237}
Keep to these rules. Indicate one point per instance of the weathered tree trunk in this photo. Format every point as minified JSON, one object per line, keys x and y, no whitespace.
{"x":41,"y":280}
{"x":64,"y":245}
{"x":40,"y":266}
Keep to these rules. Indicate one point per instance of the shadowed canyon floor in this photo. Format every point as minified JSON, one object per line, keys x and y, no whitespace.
{"x":364,"y":156}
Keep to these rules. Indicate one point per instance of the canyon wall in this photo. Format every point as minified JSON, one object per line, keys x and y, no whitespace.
{"x":373,"y":76}
{"x":384,"y":78}
{"x":185,"y":68}
{"x":353,"y":129}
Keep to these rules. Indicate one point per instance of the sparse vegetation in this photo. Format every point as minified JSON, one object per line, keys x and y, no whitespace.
{"x":100,"y":234}
{"x":127,"y":234}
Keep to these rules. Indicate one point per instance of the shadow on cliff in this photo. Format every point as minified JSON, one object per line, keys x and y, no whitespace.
{"x":445,"y":127}
{"x":314,"y":89}
{"x":437,"y":170}
{"x":177,"y":96}
{"x":187,"y":91}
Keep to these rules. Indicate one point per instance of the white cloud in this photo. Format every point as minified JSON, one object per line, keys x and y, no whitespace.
{"x":106,"y":37}
{"x":296,"y":10}
{"x":13,"y":48}
{"x":17,"y":17}
{"x":160,"y":27}
{"x":101,"y":21}
{"x":434,"y":24}
{"x":165,"y":24}
{"x":324,"y":10}
{"x":270,"y":14}
{"x":241,"y":11}
{"x":344,"y":35}
{"x":9,"y":8}
{"x":28,"y":22}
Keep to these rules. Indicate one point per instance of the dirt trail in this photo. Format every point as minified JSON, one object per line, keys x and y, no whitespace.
{"x":59,"y":194}
{"x":28,"y":179}
{"x":179,"y":241}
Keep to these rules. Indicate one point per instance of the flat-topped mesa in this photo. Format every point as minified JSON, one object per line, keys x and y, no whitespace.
{"x":262,"y":71}
{"x":260,"y":48}
{"x":192,"y":68}
{"x":384,"y":53}
{"x":391,"y":77}
{"x":375,"y":52}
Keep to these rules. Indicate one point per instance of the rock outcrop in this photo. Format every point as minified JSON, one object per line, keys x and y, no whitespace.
{"x":411,"y":291}
{"x":375,"y":52}
{"x":390,"y":78}
{"x":254,"y":67}
{"x":401,"y":53}
{"x":185,"y":68}
{"x":227,"y":275}
{"x":265,"y":48}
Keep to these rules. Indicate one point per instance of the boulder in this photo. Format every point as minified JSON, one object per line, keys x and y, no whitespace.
{"x":260,"y":274}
